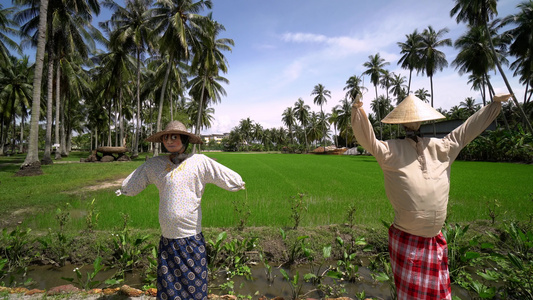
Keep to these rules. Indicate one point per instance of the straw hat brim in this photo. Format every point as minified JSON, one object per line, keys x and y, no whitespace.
{"x":411,"y":110}
{"x":156,"y":137}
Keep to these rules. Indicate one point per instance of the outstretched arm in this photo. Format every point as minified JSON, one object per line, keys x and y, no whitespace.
{"x":363,"y":131}
{"x":477,"y":123}
{"x":222,"y":176}
{"x":135,"y":183}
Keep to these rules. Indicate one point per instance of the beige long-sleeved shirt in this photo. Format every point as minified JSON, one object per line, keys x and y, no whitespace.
{"x":417,"y":174}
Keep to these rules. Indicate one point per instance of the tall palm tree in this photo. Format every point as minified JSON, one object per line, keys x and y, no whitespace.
{"x":177,"y":22}
{"x":6,"y":23}
{"x":478,"y":83}
{"x":289,"y":119}
{"x":398,"y":87}
{"x":386,"y":81}
{"x":344,"y":111}
{"x":301,"y":112}
{"x":354,"y":86}
{"x":474,"y":54}
{"x":333,"y":118}
{"x":321,"y":93}
{"x":375,"y":66}
{"x":131,"y":27}
{"x":381,"y":106}
{"x":31,"y":163}
{"x":208,"y":62}
{"x":522,"y":45}
{"x":479,"y":13}
{"x":432,"y":59}
{"x":15,"y":91}
{"x":410,"y":50}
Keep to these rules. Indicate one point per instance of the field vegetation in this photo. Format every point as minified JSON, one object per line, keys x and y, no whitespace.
{"x":322,"y":210}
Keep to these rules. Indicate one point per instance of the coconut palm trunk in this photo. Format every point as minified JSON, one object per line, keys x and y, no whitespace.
{"x":58,"y":113}
{"x":520,"y":110}
{"x":161,"y":101}
{"x":47,"y":159}
{"x":31,"y":162}
{"x":199,"y":117}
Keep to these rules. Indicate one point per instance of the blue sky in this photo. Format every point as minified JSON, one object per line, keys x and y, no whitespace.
{"x":284,"y":48}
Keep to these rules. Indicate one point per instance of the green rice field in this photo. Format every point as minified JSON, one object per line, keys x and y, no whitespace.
{"x":329,"y":183}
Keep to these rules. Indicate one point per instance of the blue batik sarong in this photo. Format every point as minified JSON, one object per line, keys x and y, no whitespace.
{"x":182,"y":268}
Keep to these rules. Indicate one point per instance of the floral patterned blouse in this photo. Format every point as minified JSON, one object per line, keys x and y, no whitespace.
{"x":180,"y":190}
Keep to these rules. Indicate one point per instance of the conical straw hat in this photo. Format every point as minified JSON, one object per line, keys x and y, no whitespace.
{"x":411,"y":110}
{"x":174,"y":127}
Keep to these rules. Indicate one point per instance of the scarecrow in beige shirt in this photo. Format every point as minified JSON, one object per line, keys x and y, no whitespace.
{"x":417,"y":183}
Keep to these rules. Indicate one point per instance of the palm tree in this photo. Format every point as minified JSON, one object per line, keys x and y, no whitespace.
{"x":354,"y":86}
{"x":375,"y":66}
{"x":474,"y":54}
{"x":344,"y":112}
{"x":469,"y":105}
{"x":258,"y":132}
{"x":31,"y":162}
{"x":320,"y":99}
{"x":410,"y":50}
{"x":398,"y":87}
{"x":15,"y":92}
{"x":423,"y":94}
{"x":381,"y":106}
{"x":522,"y":45}
{"x":289,"y":119}
{"x":479,"y":13}
{"x":432,"y":59}
{"x":386,"y":81}
{"x":478,"y":83}
{"x":333,"y":118}
{"x":301,"y":112}
{"x":5,"y":28}
{"x":177,"y":22}
{"x":131,"y":27}
{"x":208,"y":61}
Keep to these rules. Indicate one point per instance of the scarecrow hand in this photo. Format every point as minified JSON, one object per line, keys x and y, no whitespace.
{"x":501,"y":97}
{"x":118,"y":192}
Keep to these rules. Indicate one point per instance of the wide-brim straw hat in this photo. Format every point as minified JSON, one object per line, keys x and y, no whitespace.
{"x":411,"y":110}
{"x":174,"y":127}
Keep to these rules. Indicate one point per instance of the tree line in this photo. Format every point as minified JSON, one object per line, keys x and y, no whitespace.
{"x":164,"y":60}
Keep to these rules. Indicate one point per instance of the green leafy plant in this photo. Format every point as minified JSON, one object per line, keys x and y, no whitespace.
{"x":298,"y":206}
{"x":350,"y":215}
{"x":88,"y":282}
{"x":214,"y":249}
{"x":57,"y":245}
{"x":150,"y":272}
{"x":460,"y":252}
{"x":236,"y":259}
{"x":383,"y":272}
{"x":294,"y":283}
{"x":92,"y":216}
{"x":317,"y":274}
{"x":268,"y":269}
{"x":297,"y":248}
{"x":242,"y":211}
{"x":14,"y":247}
{"x":347,"y":265}
{"x":128,"y":250}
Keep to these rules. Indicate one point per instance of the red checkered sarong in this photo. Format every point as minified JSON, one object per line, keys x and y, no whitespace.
{"x":420,"y":265}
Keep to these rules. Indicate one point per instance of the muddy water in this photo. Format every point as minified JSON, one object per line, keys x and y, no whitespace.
{"x":46,"y":277}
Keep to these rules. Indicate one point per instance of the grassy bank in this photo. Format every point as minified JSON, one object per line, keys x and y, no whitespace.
{"x":330,"y":184}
